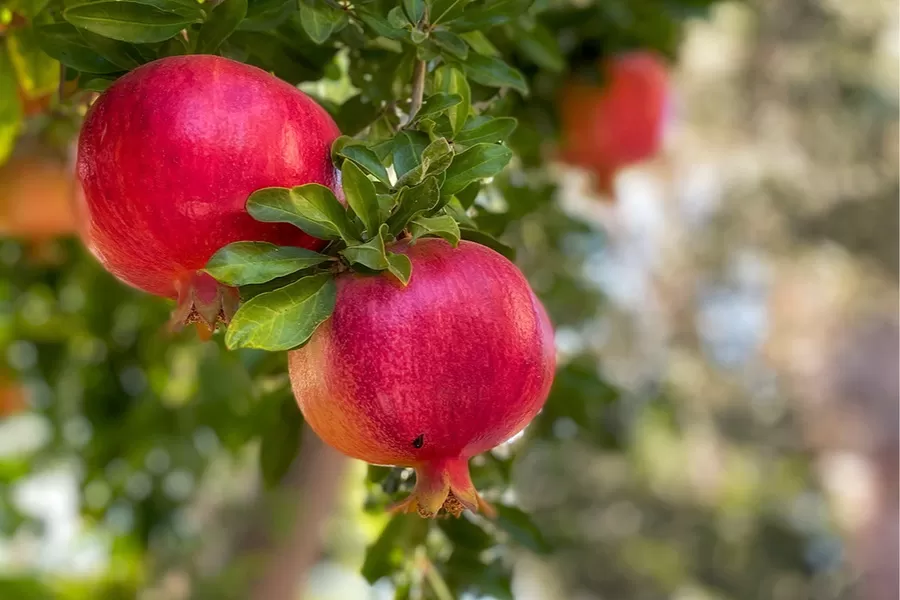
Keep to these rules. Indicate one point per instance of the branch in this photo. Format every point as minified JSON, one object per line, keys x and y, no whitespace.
{"x":418,"y":89}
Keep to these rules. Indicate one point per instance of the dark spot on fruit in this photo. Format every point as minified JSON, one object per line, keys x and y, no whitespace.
{"x":419,"y":441}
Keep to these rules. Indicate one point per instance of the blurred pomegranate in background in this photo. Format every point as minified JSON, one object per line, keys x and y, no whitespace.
{"x":619,"y":122}
{"x":36,"y":199}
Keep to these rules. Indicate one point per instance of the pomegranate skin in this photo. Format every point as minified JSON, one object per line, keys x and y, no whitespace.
{"x":619,"y":124}
{"x":432,"y":374}
{"x":168,"y":155}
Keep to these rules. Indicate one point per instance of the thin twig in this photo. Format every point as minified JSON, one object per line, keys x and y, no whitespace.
{"x":418,"y":89}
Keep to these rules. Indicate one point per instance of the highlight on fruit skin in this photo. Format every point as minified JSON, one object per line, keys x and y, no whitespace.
{"x":167,"y":157}
{"x":622,"y":122}
{"x":428,"y":375}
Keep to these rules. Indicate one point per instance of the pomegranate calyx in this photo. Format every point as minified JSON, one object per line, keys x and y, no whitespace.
{"x":204,"y":303}
{"x":444,"y":488}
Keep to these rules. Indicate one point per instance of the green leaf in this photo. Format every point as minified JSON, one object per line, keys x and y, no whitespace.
{"x":125,"y":55}
{"x":390,"y":550}
{"x":446,"y":10}
{"x":488,"y":15}
{"x":413,"y":202}
{"x":367,"y":159}
{"x":518,"y":524}
{"x":281,"y":441}
{"x":97,"y":84}
{"x":284,"y":318}
{"x":438,"y":103}
{"x":10,"y":108}
{"x":224,"y":19}
{"x":541,"y":47}
{"x":400,"y":267}
{"x":360,"y":194}
{"x":480,"y":43}
{"x":414,"y":9}
{"x":127,"y":21}
{"x":37,"y":73}
{"x":407,"y":151}
{"x":442,"y":226}
{"x":311,"y":207}
{"x":436,"y":158}
{"x":245,"y":263}
{"x":455,"y":209}
{"x":493,"y":72}
{"x":478,"y":162}
{"x":479,"y":237}
{"x":381,"y":26}
{"x":467,"y":196}
{"x":63,"y":42}
{"x":320,"y":20}
{"x":482,"y":129}
{"x":451,"y":81}
{"x":452,"y":43}
{"x":373,"y":255}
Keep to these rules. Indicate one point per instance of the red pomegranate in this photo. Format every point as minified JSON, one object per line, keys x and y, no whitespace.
{"x":429,"y":375}
{"x":607,"y":128}
{"x":169,"y":154}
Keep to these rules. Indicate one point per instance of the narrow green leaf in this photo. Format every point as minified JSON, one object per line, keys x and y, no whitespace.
{"x":451,"y":43}
{"x":397,"y":18}
{"x":281,"y":441}
{"x":245,"y":263}
{"x":10,"y":108}
{"x":436,"y":158}
{"x":125,"y":55}
{"x":479,"y":237}
{"x":413,"y":202}
{"x":478,"y":162}
{"x":407,"y":150}
{"x":381,"y":26}
{"x":446,"y":10}
{"x":451,"y":81}
{"x":518,"y":524}
{"x":400,"y":267}
{"x":455,"y":209}
{"x":128,"y":21}
{"x":320,"y":20}
{"x":37,"y":73}
{"x":487,"y":15}
{"x":311,"y":207}
{"x":441,"y":225}
{"x":493,"y":72}
{"x":284,"y":318}
{"x":438,"y":103}
{"x":386,"y":203}
{"x":482,"y":129}
{"x":539,"y":45}
{"x":480,"y":43}
{"x":414,"y":9}
{"x":367,"y":159}
{"x":224,"y":19}
{"x":63,"y":42}
{"x":360,"y":194}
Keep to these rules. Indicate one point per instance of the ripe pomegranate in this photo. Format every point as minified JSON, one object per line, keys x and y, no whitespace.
{"x":36,"y":199}
{"x":429,"y":375}
{"x":167,"y":157}
{"x":621,"y":123}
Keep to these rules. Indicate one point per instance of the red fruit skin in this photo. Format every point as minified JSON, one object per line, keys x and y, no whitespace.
{"x":619,"y":124}
{"x":168,"y":155}
{"x":432,"y":374}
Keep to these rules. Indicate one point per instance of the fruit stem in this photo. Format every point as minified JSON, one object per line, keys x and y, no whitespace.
{"x":418,"y":90}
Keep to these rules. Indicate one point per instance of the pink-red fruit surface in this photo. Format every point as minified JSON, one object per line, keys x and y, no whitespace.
{"x":169,"y":153}
{"x":429,"y":375}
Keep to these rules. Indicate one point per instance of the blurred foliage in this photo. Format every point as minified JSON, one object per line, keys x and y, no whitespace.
{"x":141,"y":418}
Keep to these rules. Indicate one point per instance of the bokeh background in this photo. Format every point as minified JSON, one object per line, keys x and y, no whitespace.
{"x":724,"y":424}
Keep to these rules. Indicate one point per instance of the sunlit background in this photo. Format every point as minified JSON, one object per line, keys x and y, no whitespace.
{"x":742,"y":302}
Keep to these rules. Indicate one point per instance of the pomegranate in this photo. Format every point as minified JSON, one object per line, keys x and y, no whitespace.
{"x":607,"y":128}
{"x":167,"y":157}
{"x":429,"y":375}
